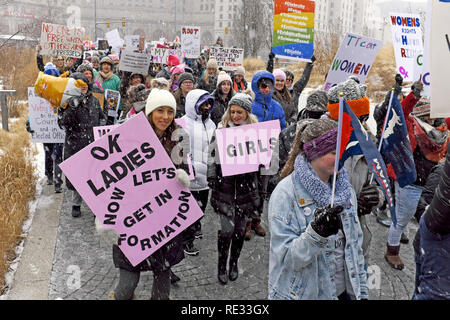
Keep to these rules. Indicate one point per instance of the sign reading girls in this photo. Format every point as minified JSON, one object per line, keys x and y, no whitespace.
{"x":407,"y":40}
{"x":243,"y":149}
{"x":129,"y":182}
{"x":59,"y":40}
{"x":355,"y":56}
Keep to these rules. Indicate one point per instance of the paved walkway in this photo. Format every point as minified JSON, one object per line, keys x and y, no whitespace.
{"x":82,"y":267}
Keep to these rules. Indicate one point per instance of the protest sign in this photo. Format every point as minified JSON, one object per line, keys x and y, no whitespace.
{"x":354,"y":57}
{"x":190,"y":41}
{"x":103,"y":130}
{"x":242,"y":149}
{"x":43,"y":120}
{"x":161,"y":55}
{"x":129,"y":182}
{"x":407,"y":41}
{"x":114,"y":39}
{"x":59,"y":40}
{"x":136,"y":62}
{"x":422,"y":62}
{"x":103,"y":44}
{"x":293,"y":29}
{"x":440,"y":57}
{"x":132,"y":42}
{"x":112,"y":99}
{"x":228,"y":58}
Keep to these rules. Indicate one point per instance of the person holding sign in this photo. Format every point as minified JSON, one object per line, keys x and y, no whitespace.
{"x":235,"y":198}
{"x":314,"y":244}
{"x":160,"y":111}
{"x":78,"y":119}
{"x":108,"y":80}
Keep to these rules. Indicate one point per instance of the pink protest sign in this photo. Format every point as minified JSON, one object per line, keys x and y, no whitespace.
{"x":129,"y":182}
{"x":101,"y":131}
{"x":243,"y":149}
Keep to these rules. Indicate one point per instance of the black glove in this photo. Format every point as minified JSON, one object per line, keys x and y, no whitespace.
{"x":417,"y":88}
{"x":29,"y":127}
{"x":212,"y":183}
{"x":399,"y":79}
{"x":368,"y":198}
{"x":313,"y":59}
{"x":327,"y":221}
{"x":271,"y":56}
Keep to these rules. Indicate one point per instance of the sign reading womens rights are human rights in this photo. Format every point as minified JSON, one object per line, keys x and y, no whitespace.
{"x":407,"y":41}
{"x":355,"y":56}
{"x":293,"y":29}
{"x":129,"y":182}
{"x":243,"y":149}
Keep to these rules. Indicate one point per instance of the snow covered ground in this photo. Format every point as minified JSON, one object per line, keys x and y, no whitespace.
{"x":38,"y":162}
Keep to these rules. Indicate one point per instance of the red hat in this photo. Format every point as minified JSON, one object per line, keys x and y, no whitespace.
{"x":173,"y":60}
{"x":447,"y":121}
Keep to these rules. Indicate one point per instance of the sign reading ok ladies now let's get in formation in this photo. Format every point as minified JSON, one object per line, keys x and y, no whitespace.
{"x":129,"y":182}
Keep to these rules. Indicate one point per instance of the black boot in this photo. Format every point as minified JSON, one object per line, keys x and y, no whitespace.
{"x":173,"y":277}
{"x":236,"y":246}
{"x":223,"y":245}
{"x":76,"y":211}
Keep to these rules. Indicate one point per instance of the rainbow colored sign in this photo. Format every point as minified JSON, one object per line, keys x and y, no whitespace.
{"x":293,"y":29}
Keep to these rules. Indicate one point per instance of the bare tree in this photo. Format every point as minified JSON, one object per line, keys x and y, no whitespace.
{"x":252,"y":26}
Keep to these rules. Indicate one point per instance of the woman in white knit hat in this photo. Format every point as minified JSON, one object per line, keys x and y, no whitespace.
{"x":208,"y":81}
{"x":160,"y":111}
{"x":222,"y":95}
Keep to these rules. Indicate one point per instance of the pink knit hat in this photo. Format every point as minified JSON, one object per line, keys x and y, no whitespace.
{"x":279,"y":74}
{"x":223,"y":76}
{"x":178,"y":69}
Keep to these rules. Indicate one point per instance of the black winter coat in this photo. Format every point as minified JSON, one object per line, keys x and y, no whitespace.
{"x":241,"y":192}
{"x":220,"y":105}
{"x":78,"y":120}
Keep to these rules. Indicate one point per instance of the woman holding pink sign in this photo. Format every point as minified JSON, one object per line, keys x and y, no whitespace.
{"x":160,"y":110}
{"x":235,"y":198}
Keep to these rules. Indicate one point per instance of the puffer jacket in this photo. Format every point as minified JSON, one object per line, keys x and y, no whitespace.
{"x":220,"y":105}
{"x":200,"y":134}
{"x":240,"y":191}
{"x":264,"y":107}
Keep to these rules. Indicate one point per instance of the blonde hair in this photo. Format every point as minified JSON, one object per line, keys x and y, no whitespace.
{"x":206,"y":76}
{"x":226,"y":118}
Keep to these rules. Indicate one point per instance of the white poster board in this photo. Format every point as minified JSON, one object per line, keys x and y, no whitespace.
{"x":228,"y":58}
{"x":114,"y":39}
{"x":440,"y":57}
{"x":43,"y":120}
{"x":132,"y":42}
{"x":59,"y":40}
{"x":190,"y":41}
{"x":407,"y":41}
{"x":354,"y":57}
{"x":137,"y":62}
{"x":161,"y":55}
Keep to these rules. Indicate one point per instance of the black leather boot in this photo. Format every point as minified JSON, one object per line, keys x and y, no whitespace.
{"x":236,"y":246}
{"x":223,"y":246}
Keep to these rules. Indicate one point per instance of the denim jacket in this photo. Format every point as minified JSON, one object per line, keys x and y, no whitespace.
{"x":301,"y":262}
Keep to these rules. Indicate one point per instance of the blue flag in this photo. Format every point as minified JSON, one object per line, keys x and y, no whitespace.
{"x":354,"y":141}
{"x":396,"y":146}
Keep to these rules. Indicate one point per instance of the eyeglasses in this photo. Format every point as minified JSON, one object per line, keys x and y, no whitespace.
{"x":289,"y":79}
{"x":187,"y":83}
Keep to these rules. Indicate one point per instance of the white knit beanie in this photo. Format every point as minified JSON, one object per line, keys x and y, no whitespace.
{"x":160,"y":98}
{"x":223,"y":76}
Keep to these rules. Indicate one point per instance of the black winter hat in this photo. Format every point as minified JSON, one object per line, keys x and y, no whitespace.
{"x":185,"y":76}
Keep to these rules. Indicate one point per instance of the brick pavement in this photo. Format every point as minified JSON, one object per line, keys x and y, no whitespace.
{"x":83,"y":267}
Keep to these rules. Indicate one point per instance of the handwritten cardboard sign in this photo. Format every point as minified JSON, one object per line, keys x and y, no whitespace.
{"x":354,"y":57}
{"x":43,"y":120}
{"x":190,"y":41}
{"x":136,"y":62}
{"x":243,"y":149}
{"x":129,"y":182}
{"x":161,"y":55}
{"x":228,"y":58}
{"x":59,"y":40}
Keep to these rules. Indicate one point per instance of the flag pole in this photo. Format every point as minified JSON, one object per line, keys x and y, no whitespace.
{"x":338,"y":145}
{"x":385,"y":125}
